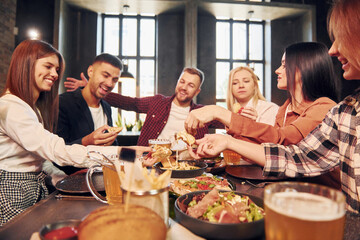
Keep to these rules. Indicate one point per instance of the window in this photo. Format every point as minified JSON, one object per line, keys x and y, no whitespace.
{"x":238,"y":43}
{"x":133,"y":39}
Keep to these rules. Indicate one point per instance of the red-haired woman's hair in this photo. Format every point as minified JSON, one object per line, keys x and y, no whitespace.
{"x":344,"y":23}
{"x":21,"y":80}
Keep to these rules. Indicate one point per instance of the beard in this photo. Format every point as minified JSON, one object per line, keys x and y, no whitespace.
{"x":182,"y":99}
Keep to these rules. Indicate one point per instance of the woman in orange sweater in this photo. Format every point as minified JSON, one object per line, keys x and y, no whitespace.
{"x":306,"y":72}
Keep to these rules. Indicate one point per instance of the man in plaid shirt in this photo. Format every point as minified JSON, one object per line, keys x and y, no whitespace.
{"x":166,"y":115}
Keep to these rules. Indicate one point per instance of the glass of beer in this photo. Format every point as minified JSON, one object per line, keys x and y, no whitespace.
{"x":296,"y":210}
{"x":111,"y":183}
{"x":160,"y":142}
{"x":231,"y":157}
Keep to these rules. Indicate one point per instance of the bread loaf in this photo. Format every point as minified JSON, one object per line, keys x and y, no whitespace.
{"x":112,"y":222}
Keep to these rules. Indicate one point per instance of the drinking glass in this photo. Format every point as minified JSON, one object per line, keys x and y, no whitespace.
{"x":155,"y":199}
{"x":160,"y":142}
{"x":295,"y":210}
{"x":111,"y":183}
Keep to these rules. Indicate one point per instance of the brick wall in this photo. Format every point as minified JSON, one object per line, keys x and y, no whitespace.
{"x":7,"y":39}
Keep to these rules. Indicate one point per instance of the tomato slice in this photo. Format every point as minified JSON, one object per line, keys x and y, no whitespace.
{"x":203,"y":186}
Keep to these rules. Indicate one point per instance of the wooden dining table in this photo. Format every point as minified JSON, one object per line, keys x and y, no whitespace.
{"x":55,"y":208}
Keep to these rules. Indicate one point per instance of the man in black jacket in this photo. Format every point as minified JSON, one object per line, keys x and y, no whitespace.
{"x":84,"y":117}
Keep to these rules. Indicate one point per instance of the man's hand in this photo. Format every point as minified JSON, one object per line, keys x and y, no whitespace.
{"x":99,"y":137}
{"x":71,"y":84}
{"x":199,"y":117}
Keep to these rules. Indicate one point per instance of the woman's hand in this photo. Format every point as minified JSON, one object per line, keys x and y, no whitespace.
{"x":210,"y":146}
{"x":249,"y":112}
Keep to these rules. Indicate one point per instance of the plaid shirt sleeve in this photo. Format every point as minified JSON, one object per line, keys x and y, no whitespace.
{"x":139,"y":105}
{"x":335,"y":141}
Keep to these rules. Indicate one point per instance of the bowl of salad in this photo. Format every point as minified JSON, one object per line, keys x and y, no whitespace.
{"x":221,"y":214}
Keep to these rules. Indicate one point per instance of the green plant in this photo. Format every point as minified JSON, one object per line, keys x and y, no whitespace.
{"x":139,"y":124}
{"x":118,"y":122}
{"x":128,"y":126}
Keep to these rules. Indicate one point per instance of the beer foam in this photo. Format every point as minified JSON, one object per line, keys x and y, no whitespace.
{"x":305,"y":206}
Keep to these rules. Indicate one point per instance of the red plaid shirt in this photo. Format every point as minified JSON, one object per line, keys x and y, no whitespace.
{"x":157,"y":109}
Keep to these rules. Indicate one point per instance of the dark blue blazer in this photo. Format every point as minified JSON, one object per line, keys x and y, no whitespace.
{"x":75,"y":120}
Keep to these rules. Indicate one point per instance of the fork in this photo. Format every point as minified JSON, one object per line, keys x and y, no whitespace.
{"x":257,"y":185}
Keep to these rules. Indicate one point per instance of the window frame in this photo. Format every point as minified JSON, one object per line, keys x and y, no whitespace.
{"x":246,"y":60}
{"x":138,"y":58}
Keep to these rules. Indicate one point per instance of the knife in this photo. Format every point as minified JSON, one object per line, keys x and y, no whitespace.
{"x":73,"y":197}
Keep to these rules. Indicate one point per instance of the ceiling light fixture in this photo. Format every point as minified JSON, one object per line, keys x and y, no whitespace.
{"x":126,"y":74}
{"x":126,"y":8}
{"x":250,"y":14}
{"x":33,"y":33}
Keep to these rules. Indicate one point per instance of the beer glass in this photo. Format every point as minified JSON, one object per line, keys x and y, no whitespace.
{"x":111,"y":183}
{"x":296,"y":210}
{"x":110,"y":175}
{"x":160,"y":142}
{"x":231,"y":157}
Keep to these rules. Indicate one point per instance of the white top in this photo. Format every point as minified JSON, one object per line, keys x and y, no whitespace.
{"x":25,"y":144}
{"x":266,"y":111}
{"x":98,"y":116}
{"x":175,"y":122}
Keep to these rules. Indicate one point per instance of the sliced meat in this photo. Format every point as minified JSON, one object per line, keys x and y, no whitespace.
{"x":200,"y":208}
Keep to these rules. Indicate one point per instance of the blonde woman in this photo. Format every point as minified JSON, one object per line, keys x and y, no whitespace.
{"x":244,"y":97}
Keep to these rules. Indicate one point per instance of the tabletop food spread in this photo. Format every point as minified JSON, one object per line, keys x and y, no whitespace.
{"x":207,"y":199}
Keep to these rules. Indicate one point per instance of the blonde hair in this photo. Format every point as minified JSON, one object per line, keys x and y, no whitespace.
{"x":344,"y":23}
{"x":230,"y":100}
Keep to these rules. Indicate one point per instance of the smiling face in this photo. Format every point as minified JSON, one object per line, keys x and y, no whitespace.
{"x":344,"y":30}
{"x":188,"y":86}
{"x":102,"y":79}
{"x":46,"y":73}
{"x":281,"y":72}
{"x":348,"y":59}
{"x":243,"y":86}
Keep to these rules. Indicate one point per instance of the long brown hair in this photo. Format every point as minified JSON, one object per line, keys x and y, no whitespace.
{"x":21,"y":80}
{"x":313,"y":62}
{"x":230,"y":99}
